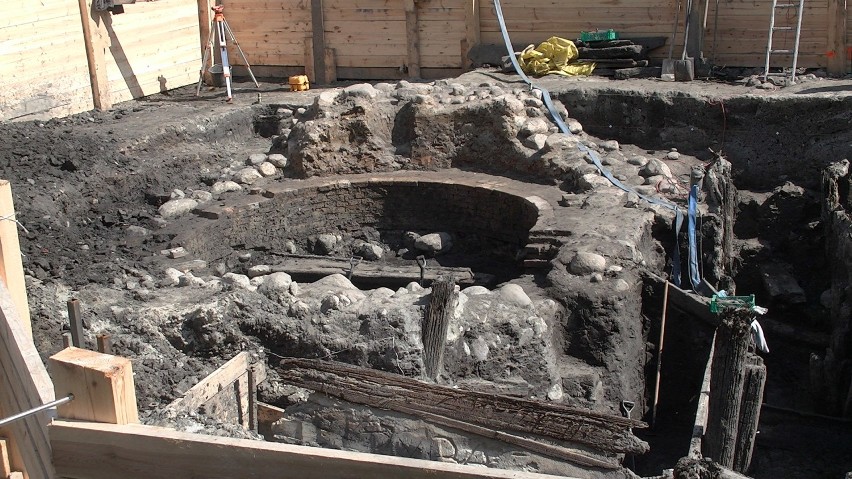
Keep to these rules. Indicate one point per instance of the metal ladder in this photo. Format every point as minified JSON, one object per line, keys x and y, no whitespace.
{"x":772,"y":28}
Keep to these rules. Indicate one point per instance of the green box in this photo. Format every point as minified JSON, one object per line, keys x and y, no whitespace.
{"x":718,"y":303}
{"x":599,"y":35}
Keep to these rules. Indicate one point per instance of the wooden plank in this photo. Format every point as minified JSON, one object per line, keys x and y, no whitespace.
{"x":11,"y":265}
{"x":24,"y":384}
{"x":390,"y":391}
{"x":5,"y":468}
{"x":309,"y":61}
{"x":330,"y":65}
{"x":75,"y":321}
{"x":836,"y":48}
{"x":105,"y":451}
{"x":318,"y":42}
{"x":412,"y":39}
{"x":267,"y":413}
{"x":102,"y":386}
{"x":96,"y":38}
{"x":217,"y":381}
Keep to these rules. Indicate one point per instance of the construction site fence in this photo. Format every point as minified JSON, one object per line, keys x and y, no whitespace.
{"x":63,"y":57}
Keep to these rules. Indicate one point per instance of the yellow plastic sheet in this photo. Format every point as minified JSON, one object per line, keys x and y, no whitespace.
{"x":553,"y":56}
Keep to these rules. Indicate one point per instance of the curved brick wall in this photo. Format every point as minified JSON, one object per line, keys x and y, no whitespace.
{"x":322,"y":206}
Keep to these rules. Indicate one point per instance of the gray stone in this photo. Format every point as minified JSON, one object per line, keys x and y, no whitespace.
{"x":621,"y":285}
{"x":330,"y":303}
{"x":383,"y":87}
{"x":279,"y":160}
{"x":555,"y":393}
{"x":256,"y":158}
{"x":201,"y":196}
{"x":326,"y":98}
{"x":276,"y":283}
{"x":434,"y":243}
{"x":573,"y":125}
{"x":781,"y":284}
{"x":655,"y":180}
{"x":596,"y":278}
{"x":443,"y":448}
{"x":237,"y":280}
{"x":172,"y":277}
{"x":514,"y":294}
{"x":535,"y":142}
{"x":325,"y":243}
{"x":512,"y":105}
{"x":137,"y":231}
{"x":294,"y":288}
{"x":247,"y":176}
{"x":655,"y":167}
{"x":176,"y":193}
{"x":560,"y":141}
{"x":534,"y":126}
{"x":631,"y":200}
{"x":610,"y":145}
{"x":586,"y":263}
{"x":259,"y":270}
{"x":225,"y":186}
{"x":639,"y":161}
{"x":479,"y":348}
{"x":458,"y":89}
{"x":592,"y":181}
{"x":176,"y":208}
{"x":370,"y":251}
{"x":361,"y":90}
{"x":267,"y":169}
{"x":673,"y":156}
{"x":289,"y":247}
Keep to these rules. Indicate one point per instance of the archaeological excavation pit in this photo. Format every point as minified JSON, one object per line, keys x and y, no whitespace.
{"x":303,"y":270}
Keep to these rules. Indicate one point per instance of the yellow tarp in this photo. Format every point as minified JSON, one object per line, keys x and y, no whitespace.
{"x":553,"y":56}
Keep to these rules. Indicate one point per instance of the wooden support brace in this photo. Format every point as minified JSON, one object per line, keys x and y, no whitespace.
{"x":318,"y":43}
{"x":11,"y":265}
{"x":5,"y":469}
{"x":75,"y":321}
{"x":96,"y":39}
{"x":102,"y":386}
{"x":412,"y":32}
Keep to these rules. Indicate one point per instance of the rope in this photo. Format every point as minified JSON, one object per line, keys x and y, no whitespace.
{"x":12,"y":218}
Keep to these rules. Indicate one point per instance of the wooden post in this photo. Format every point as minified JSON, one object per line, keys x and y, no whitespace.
{"x":318,"y":42}
{"x":67,"y":341}
{"x":102,"y":386}
{"x":104,"y":344}
{"x":660,"y":354}
{"x":96,"y":39}
{"x":204,"y":10}
{"x":695,"y":42}
{"x":330,"y":65}
{"x":436,"y":322}
{"x":75,"y":321}
{"x":726,"y":385}
{"x":412,"y":32}
{"x":837,"y":37}
{"x":252,"y":398}
{"x":5,"y":468}
{"x":754,"y":382}
{"x":310,"y":70}
{"x":472,"y":35}
{"x":11,"y":265}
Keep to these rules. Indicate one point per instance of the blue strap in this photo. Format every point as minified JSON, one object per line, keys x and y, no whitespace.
{"x":694,"y":275}
{"x":548,"y":102}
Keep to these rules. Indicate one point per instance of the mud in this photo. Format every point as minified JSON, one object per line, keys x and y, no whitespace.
{"x":89,"y":189}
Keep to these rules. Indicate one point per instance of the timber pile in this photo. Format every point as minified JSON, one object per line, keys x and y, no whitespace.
{"x":309,"y":268}
{"x":613,"y":56}
{"x":603,"y":432}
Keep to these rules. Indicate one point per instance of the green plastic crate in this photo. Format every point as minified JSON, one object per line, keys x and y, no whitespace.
{"x":599,"y":35}
{"x":718,"y":303}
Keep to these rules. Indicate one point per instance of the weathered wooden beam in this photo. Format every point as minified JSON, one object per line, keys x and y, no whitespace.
{"x":412,"y":35}
{"x":330,"y":65}
{"x":75,"y":321}
{"x":11,"y":265}
{"x":102,"y":386}
{"x":24,"y":384}
{"x":96,"y":39}
{"x":837,"y":53}
{"x":5,"y":468}
{"x":436,"y":323}
{"x":318,"y":42}
{"x":107,"y":451}
{"x":220,"y":379}
{"x":204,"y":22}
{"x":390,"y":391}
{"x":726,"y":385}
{"x":104,"y":344}
{"x":310,"y":62}
{"x":754,"y":383}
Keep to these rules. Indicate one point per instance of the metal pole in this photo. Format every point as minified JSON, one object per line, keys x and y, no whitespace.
{"x":30,"y":412}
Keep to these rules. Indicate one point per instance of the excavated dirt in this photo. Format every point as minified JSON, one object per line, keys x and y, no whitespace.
{"x":96,"y":193}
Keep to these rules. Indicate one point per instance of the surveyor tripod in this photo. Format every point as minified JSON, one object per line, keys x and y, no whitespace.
{"x":218,"y":29}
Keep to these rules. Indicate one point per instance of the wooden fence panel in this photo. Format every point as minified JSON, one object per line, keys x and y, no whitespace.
{"x":152,"y":47}
{"x":44,"y":60}
{"x":270,"y":32}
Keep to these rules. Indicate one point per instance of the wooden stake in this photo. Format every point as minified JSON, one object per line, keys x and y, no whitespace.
{"x":5,"y":469}
{"x":104,"y":344}
{"x":102,"y":386}
{"x":11,"y":265}
{"x":67,"y":341}
{"x":435,"y":325}
{"x":660,"y":354}
{"x":75,"y":320}
{"x":252,"y":399}
{"x":755,"y":381}
{"x":837,"y":37}
{"x":726,"y":385}
{"x":412,"y":31}
{"x":472,"y":30}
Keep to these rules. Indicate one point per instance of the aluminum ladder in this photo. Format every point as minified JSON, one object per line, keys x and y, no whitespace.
{"x":799,"y":8}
